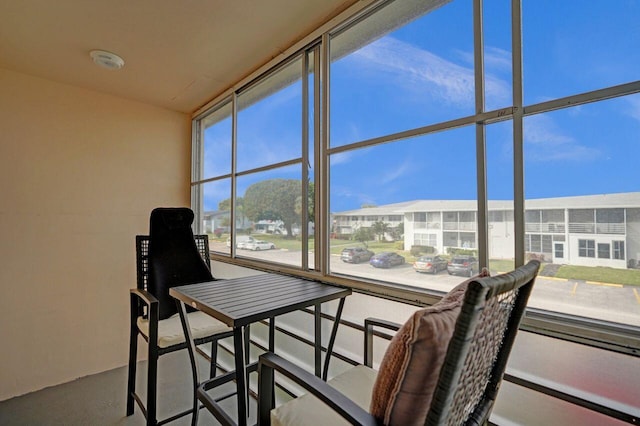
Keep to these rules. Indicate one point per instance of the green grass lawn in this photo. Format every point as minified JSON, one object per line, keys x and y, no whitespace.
{"x":600,"y":274}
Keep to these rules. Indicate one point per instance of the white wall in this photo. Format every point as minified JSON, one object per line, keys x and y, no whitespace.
{"x":80,"y":172}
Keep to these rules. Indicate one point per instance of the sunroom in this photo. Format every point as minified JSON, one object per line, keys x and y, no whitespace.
{"x":318,"y":126}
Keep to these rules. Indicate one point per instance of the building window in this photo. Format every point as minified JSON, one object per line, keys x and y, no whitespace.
{"x":618,"y":250}
{"x":430,"y":240}
{"x":604,"y":251}
{"x":586,"y":248}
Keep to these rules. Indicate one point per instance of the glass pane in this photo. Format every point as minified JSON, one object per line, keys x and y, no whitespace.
{"x":270,"y":201}
{"x":216,"y":137}
{"x":583,"y":161}
{"x":570,"y":48}
{"x":385,"y":78}
{"x":270,"y":119}
{"x":412,"y":198}
{"x":501,"y":237}
{"x":498,"y":78}
{"x":216,"y":215}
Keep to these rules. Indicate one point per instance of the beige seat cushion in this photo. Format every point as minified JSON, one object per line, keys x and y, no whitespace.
{"x":356,"y":383}
{"x":411,"y":365}
{"x":170,"y":329}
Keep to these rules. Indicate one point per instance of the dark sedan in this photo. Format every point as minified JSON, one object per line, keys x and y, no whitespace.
{"x":386,"y":260}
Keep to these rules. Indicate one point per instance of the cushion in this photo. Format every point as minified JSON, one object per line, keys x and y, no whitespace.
{"x":355,"y":383}
{"x":174,"y":258}
{"x":170,"y":330}
{"x":411,"y":365}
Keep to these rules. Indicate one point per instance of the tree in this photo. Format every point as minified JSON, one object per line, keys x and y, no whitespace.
{"x":273,"y":199}
{"x":225,"y":205}
{"x":363,"y":235}
{"x":311,"y":197}
{"x":379,"y":229}
{"x":398,"y":231}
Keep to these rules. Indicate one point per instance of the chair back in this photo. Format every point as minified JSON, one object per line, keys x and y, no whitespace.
{"x":171,"y":256}
{"x":479,"y":349}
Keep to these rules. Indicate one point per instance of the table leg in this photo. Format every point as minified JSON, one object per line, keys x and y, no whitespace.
{"x":238,"y":346}
{"x":332,"y":339}
{"x":191,"y":348}
{"x":272,"y":334}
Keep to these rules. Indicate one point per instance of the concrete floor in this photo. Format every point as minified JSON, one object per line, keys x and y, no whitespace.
{"x":100,"y":399}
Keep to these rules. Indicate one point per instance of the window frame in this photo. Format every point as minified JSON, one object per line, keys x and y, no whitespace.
{"x":584,"y":330}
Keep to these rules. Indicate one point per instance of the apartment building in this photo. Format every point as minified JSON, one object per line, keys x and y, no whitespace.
{"x":590,"y":230}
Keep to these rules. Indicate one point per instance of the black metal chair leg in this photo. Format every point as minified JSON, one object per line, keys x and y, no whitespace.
{"x":133,"y":355}
{"x":152,"y":385}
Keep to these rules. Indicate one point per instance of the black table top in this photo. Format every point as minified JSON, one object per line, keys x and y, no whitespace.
{"x":242,"y":301}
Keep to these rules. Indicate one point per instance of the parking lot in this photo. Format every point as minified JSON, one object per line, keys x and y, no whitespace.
{"x":593,"y":300}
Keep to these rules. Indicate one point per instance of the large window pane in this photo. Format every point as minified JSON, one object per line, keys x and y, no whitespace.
{"x":581,"y":165}
{"x":216,"y":215}
{"x":570,"y":47}
{"x":405,"y":77}
{"x":501,"y":235}
{"x":413,"y":198}
{"x":270,"y":119}
{"x":498,"y":78}
{"x":216,"y":139}
{"x":271,"y":203}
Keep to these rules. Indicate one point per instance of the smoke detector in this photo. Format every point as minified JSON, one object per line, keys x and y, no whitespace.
{"x":107,"y":59}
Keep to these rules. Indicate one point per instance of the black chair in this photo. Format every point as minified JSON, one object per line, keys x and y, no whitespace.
{"x":169,"y":256}
{"x":463,"y":378}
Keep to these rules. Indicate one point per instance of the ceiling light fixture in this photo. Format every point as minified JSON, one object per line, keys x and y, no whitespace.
{"x":107,"y":59}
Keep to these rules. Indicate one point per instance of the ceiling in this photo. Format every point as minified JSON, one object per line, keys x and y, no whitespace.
{"x":178,"y":54}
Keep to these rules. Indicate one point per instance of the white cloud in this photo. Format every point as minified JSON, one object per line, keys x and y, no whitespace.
{"x":634,"y":106}
{"x":545,"y":142}
{"x":450,"y":82}
{"x":396,"y":172}
{"x":497,"y":59}
{"x":426,"y":71}
{"x":340,"y":158}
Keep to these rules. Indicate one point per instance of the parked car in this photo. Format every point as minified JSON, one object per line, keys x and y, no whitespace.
{"x":241,"y":241}
{"x":259,"y":245}
{"x":463,"y":265}
{"x":432,"y":264}
{"x":386,"y":260}
{"x":356,"y":254}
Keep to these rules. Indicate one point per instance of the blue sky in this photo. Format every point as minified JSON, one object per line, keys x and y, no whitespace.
{"x":422,"y":74}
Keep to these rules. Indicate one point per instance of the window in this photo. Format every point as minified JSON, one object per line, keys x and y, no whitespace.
{"x":618,"y":250}
{"x":586,"y":248}
{"x":430,"y":240}
{"x":393,"y":142}
{"x":604,"y":251}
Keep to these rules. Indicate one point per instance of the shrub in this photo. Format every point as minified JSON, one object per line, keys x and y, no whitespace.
{"x":460,"y":251}
{"x":416,"y":250}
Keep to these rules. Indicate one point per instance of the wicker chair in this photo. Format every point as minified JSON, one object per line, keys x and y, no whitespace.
{"x":465,"y":383}
{"x":171,"y":255}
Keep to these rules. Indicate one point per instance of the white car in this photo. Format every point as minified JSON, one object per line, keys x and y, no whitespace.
{"x":259,"y":245}
{"x":241,"y":241}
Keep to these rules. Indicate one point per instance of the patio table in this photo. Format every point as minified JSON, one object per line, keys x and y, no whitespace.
{"x":239,"y":302}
